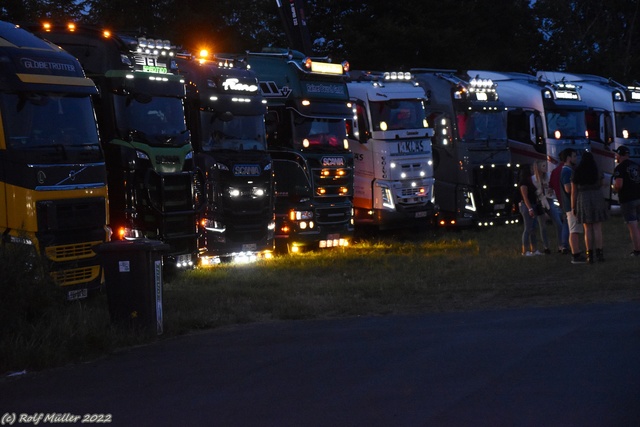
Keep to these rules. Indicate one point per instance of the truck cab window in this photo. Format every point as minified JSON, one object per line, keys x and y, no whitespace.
{"x":566,"y":124}
{"x":235,"y":133}
{"x":398,"y":115}
{"x":318,"y":133}
{"x":593,"y":125}
{"x":628,"y":125}
{"x":156,"y":117}
{"x":518,"y":126}
{"x":475,"y":126}
{"x":45,"y":121}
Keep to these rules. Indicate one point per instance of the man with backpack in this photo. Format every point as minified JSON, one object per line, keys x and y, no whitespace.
{"x":626,"y":183}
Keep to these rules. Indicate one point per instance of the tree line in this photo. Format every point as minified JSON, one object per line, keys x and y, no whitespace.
{"x":580,"y":36}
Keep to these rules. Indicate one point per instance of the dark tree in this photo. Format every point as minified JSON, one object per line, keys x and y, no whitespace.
{"x":589,"y":36}
{"x":32,"y":11}
{"x":586,"y":36}
{"x":441,"y":34}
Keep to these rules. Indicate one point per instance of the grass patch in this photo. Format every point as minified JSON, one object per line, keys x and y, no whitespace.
{"x":401,"y":272}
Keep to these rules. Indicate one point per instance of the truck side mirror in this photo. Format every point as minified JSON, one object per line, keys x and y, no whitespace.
{"x":365,"y":137}
{"x":538,"y":134}
{"x":608,"y":131}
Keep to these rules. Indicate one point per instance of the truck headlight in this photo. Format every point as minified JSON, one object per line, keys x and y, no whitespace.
{"x":300,"y":215}
{"x":387,"y":198}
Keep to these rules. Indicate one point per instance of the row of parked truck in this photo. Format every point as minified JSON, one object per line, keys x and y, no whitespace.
{"x":115,"y":136}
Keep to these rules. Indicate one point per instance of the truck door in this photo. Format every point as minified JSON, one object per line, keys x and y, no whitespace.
{"x":363,"y":155}
{"x":538,"y":133}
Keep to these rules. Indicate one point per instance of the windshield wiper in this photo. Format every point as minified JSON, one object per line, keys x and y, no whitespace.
{"x":137,"y":135}
{"x":176,"y":139}
{"x":59,"y":149}
{"x":324,"y":149}
{"x":489,"y":144}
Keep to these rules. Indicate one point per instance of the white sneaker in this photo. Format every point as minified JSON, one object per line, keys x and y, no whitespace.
{"x":537,"y":253}
{"x":527,"y":253}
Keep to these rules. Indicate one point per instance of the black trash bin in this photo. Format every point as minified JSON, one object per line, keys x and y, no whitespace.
{"x":133,"y":280}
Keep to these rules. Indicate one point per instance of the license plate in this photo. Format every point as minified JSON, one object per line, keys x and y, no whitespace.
{"x":248,"y":247}
{"x":411,"y":147}
{"x":333,"y":236}
{"x":498,"y":207}
{"x":77,"y":294}
{"x":422,"y":214}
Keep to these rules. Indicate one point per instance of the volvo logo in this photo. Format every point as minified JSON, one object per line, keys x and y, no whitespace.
{"x":72,"y":176}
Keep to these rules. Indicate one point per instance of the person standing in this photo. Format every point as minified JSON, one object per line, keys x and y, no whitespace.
{"x":528,"y":212}
{"x":554,"y":182}
{"x":548,"y":199}
{"x":626,"y":183}
{"x":588,"y":204}
{"x":569,"y":158}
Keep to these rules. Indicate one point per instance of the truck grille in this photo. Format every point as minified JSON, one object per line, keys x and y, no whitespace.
{"x":333,"y":215}
{"x":333,"y":182}
{"x":73,"y":214}
{"x":247,"y":228}
{"x":500,"y":176}
{"x":495,"y":186}
{"x":179,"y":225}
{"x":70,"y":252}
{"x":75,"y":276}
{"x":412,"y":192}
{"x":171,"y":192}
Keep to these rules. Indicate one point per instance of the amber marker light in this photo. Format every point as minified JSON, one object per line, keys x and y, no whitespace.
{"x":71,"y":26}
{"x":307,"y":63}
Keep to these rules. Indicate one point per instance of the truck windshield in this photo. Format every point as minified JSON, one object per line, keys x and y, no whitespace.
{"x":222,"y":131}
{"x":628,"y":125}
{"x":480,"y":126}
{"x":320,"y":134}
{"x":569,"y":124}
{"x":61,"y":125}
{"x":398,"y":115}
{"x":156,"y":119}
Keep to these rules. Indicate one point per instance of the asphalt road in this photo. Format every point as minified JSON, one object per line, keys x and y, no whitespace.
{"x":562,"y":366}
